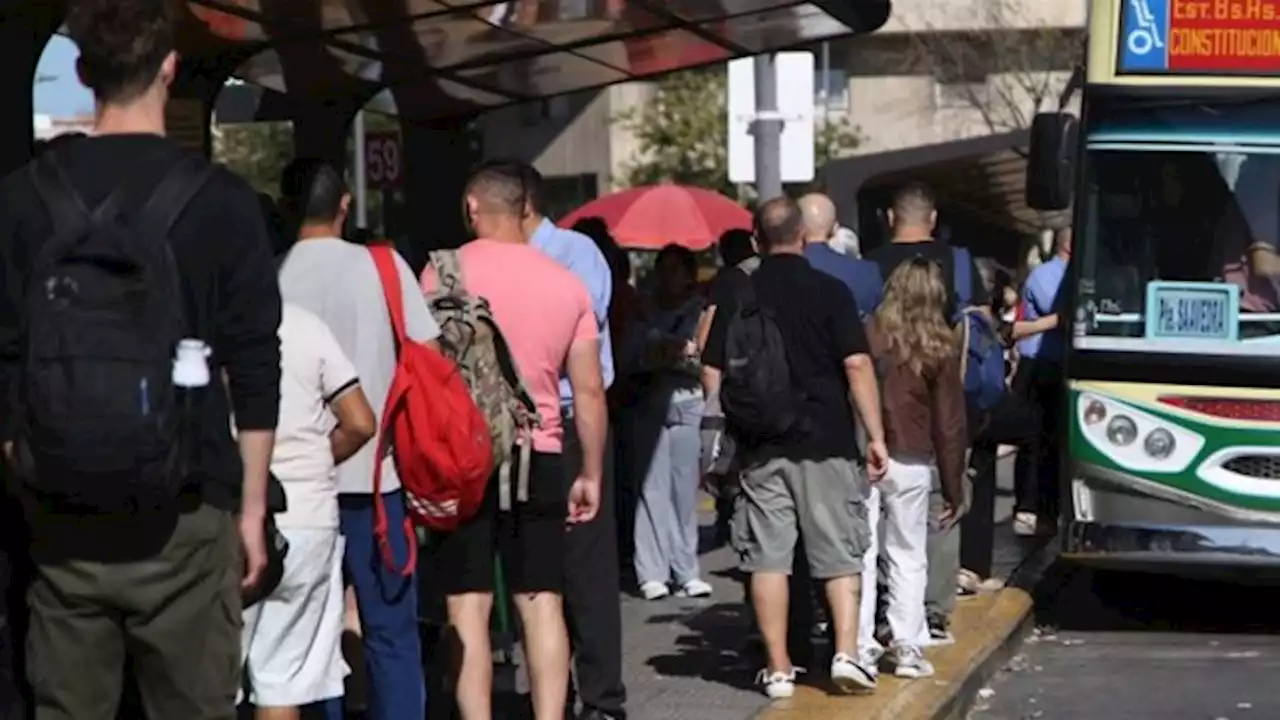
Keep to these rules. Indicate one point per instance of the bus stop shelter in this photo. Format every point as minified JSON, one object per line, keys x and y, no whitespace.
{"x":434,"y":64}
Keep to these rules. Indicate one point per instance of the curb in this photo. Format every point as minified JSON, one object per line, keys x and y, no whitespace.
{"x":1012,"y":619}
{"x":989,"y":629}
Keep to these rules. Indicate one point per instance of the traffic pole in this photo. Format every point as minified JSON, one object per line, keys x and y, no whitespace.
{"x":361,"y":172}
{"x":767,"y":129}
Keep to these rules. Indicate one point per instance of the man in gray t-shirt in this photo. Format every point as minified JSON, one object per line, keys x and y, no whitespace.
{"x":337,"y":281}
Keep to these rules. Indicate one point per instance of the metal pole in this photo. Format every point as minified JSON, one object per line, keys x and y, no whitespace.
{"x":767,"y":129}
{"x":362,"y":189}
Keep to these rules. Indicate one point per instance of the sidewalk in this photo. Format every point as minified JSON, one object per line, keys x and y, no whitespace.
{"x":691,"y":659}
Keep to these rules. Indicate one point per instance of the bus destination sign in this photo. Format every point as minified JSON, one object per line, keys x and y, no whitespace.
{"x":1202,"y":37}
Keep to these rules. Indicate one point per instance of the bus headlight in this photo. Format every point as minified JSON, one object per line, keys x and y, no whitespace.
{"x":1122,"y":430}
{"x":1095,"y":412}
{"x":1159,"y":444}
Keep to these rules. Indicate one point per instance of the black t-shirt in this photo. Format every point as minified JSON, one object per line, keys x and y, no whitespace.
{"x":890,"y":255}
{"x":231,"y":294}
{"x":819,"y":323}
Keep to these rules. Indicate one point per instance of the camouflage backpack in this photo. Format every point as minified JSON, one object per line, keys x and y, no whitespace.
{"x":471,"y":338}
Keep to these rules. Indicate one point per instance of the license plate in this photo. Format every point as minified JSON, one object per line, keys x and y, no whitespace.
{"x":1202,"y":314}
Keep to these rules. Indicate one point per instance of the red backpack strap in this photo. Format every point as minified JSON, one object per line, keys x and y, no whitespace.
{"x":381,"y":523}
{"x":384,"y":259}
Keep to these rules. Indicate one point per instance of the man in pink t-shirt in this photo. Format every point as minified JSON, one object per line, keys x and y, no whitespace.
{"x":545,"y":315}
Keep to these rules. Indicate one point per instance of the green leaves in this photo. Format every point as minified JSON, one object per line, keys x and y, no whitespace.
{"x":682,"y":133}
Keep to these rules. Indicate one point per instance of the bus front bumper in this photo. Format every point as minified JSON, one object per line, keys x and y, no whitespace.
{"x":1118,"y":520}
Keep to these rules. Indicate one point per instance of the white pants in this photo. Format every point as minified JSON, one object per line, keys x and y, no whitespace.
{"x":898,"y":511}
{"x":292,"y":640}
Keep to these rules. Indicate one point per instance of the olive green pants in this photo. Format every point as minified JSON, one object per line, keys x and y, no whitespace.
{"x":173,"y":616}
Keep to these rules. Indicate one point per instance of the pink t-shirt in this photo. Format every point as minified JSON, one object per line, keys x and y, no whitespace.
{"x":541,"y":308}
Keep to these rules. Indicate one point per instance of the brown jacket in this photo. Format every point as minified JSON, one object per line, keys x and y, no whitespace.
{"x":924,"y":416}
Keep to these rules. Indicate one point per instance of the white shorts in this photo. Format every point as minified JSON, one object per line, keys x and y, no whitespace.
{"x":291,"y":644}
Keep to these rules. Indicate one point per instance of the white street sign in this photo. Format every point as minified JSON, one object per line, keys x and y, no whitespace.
{"x":795,"y":106}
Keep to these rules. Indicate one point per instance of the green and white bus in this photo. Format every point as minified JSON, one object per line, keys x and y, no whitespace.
{"x":1172,"y":173}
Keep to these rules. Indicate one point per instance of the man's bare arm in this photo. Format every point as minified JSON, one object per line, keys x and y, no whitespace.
{"x":704,"y":327}
{"x":590,"y":415}
{"x":1027,"y":328}
{"x":255,"y":454}
{"x":864,"y":393}
{"x":710,"y":381}
{"x":356,"y":424}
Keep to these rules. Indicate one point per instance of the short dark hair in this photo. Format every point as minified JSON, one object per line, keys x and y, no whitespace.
{"x":500,"y":186}
{"x":778,"y":222}
{"x":913,"y":203}
{"x":679,"y":254}
{"x":735,"y":246}
{"x":122,"y":43}
{"x":312,"y":190}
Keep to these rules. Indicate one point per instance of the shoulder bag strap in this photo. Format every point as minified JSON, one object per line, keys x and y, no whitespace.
{"x":450,"y":278}
{"x":170,"y":198}
{"x":384,"y":260}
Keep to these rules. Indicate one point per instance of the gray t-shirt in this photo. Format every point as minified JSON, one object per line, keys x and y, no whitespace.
{"x":337,"y":281}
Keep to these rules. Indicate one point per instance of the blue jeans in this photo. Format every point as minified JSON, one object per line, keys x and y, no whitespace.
{"x":388,"y":613}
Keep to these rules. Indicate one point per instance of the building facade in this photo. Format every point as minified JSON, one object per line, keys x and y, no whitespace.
{"x":938,"y":73}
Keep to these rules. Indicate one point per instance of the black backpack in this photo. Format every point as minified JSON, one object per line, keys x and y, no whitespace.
{"x":100,"y":424}
{"x":759,"y":401}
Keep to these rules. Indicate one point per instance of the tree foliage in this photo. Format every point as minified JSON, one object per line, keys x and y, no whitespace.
{"x":258,"y":152}
{"x":682,"y":133}
{"x":1006,"y":73}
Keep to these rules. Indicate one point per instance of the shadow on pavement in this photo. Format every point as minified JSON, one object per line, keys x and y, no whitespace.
{"x":716,"y":649}
{"x":1073,"y":597}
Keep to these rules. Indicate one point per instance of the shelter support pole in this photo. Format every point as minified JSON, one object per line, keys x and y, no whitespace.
{"x":321,"y":131}
{"x":24,"y":32}
{"x":767,"y":129}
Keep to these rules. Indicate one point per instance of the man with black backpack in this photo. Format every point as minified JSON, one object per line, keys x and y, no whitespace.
{"x":790,"y":360}
{"x":137,"y":276}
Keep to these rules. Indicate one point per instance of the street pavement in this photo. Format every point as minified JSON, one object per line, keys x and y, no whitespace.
{"x":1117,"y":646}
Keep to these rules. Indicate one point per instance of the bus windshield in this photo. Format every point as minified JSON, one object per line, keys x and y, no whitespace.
{"x":1181,"y":226}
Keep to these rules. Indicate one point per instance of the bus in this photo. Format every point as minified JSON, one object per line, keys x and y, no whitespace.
{"x":1171,"y":174}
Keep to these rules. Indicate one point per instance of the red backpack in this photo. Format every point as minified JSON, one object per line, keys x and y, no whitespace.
{"x":438,"y":437}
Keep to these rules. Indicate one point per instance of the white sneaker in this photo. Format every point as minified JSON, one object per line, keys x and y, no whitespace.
{"x":778,"y":685}
{"x":654,"y":590}
{"x":909,"y":662}
{"x":695,"y":588}
{"x":1024,"y":524}
{"x":850,"y":676}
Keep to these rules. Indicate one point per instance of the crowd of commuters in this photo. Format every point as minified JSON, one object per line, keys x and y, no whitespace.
{"x":822,"y":397}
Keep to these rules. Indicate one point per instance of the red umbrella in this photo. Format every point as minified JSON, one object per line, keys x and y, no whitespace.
{"x":647,"y":218}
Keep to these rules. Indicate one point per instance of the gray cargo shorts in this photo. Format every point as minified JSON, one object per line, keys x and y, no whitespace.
{"x":822,"y":501}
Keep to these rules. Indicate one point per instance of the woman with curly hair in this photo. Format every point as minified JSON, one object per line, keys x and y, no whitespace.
{"x":918,"y":365}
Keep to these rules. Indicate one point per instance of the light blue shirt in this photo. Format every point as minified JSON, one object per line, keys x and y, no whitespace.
{"x":579,"y":254}
{"x":1039,"y":298}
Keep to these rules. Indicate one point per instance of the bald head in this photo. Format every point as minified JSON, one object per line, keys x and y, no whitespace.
{"x":779,"y":225}
{"x":819,"y":217}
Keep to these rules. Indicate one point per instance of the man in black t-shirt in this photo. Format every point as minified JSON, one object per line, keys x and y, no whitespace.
{"x":914,"y":219}
{"x":809,"y":483}
{"x":158,"y":588}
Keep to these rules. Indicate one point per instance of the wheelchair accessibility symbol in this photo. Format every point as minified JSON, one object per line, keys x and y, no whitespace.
{"x":1146,"y":37}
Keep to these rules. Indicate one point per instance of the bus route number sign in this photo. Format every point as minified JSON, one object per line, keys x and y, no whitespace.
{"x":1200,"y":37}
{"x":1192,"y":311}
{"x":382,"y":159}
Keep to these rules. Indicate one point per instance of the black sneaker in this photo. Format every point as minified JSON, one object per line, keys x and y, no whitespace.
{"x":939,"y":634}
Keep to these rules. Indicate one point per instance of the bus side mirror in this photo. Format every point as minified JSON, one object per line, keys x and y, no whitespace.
{"x":1051,"y":163}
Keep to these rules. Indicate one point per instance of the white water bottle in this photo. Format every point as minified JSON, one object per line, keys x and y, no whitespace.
{"x":191,"y":365}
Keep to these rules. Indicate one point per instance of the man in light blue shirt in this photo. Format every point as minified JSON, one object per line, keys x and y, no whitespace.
{"x":592,"y":585}
{"x":1039,"y":300}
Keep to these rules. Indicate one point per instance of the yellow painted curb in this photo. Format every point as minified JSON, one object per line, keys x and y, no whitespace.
{"x":981,"y":626}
